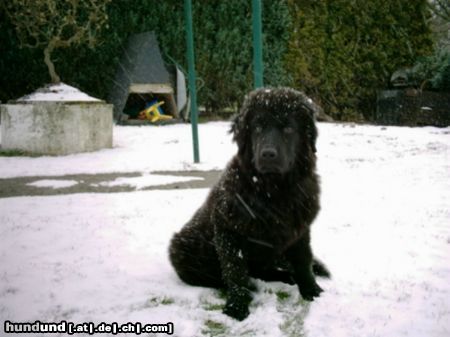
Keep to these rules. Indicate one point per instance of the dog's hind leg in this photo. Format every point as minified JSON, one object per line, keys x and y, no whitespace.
{"x":196,"y":264}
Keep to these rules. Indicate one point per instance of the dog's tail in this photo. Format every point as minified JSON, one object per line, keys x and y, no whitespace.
{"x":320,"y":269}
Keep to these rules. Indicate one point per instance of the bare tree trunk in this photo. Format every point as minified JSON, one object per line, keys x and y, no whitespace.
{"x":51,"y":67}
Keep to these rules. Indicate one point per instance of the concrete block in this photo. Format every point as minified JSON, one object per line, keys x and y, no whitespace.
{"x":55,"y":127}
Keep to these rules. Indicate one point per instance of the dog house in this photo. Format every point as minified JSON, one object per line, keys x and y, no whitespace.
{"x":143,"y":83}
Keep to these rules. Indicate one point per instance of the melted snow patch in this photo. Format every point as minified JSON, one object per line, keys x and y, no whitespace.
{"x":58,"y":92}
{"x":148,"y":180}
{"x":53,"y":183}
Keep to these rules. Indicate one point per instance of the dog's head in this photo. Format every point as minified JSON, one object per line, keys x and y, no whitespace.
{"x":275,"y":130}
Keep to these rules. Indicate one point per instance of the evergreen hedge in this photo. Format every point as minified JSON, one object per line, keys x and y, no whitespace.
{"x":343,"y":51}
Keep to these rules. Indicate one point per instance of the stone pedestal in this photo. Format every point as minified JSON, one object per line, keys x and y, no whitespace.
{"x":56,"y":127}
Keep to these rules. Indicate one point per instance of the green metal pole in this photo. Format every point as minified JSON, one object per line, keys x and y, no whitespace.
{"x":258,"y":70}
{"x":191,"y":69}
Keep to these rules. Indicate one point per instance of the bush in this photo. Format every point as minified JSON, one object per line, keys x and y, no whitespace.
{"x":343,"y":51}
{"x":433,"y":72}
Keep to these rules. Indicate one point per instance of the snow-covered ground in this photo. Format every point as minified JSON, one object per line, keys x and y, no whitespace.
{"x":142,"y":149}
{"x":384,"y":231}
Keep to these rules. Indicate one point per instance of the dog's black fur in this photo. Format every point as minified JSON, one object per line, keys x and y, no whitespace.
{"x":256,"y":219}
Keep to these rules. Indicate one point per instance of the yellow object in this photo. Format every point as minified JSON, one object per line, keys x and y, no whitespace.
{"x":153,"y":114}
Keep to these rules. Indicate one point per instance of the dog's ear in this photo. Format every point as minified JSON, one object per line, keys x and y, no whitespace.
{"x":239,"y":129}
{"x":311,"y":133}
{"x":240,"y":125}
{"x":311,"y":110}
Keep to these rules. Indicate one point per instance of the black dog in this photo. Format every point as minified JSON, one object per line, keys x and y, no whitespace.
{"x":256,"y":219}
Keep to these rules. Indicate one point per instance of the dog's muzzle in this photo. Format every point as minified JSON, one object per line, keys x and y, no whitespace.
{"x":269,"y":160}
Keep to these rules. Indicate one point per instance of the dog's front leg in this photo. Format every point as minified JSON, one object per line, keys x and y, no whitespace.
{"x":301,"y":258}
{"x":234,"y":272}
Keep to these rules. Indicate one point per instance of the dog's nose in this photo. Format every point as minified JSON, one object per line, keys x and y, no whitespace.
{"x":269,"y":153}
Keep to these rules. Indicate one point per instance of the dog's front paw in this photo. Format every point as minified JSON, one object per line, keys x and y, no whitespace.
{"x":236,"y":310}
{"x":310,"y":290}
{"x":237,"y":303}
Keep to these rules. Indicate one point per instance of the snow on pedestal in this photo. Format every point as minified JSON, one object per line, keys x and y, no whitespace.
{"x":56,"y":120}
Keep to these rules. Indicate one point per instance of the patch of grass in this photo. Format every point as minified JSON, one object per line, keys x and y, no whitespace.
{"x":268,"y":291}
{"x":16,"y":153}
{"x":213,"y":307}
{"x":167,"y":301}
{"x":222,"y":293}
{"x":154,"y":301}
{"x":213,"y":328}
{"x":219,"y":296}
{"x":282,"y":295}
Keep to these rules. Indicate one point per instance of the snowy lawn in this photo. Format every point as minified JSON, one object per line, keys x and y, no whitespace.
{"x":384,"y":231}
{"x":135,"y":148}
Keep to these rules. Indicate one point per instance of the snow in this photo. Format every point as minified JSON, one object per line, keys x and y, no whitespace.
{"x":383,"y":231}
{"x":53,"y":183}
{"x":138,"y":183}
{"x":147,"y":180}
{"x":142,"y":149}
{"x":58,"y":92}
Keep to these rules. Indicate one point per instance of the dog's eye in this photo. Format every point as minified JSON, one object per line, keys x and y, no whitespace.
{"x":288,"y":130}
